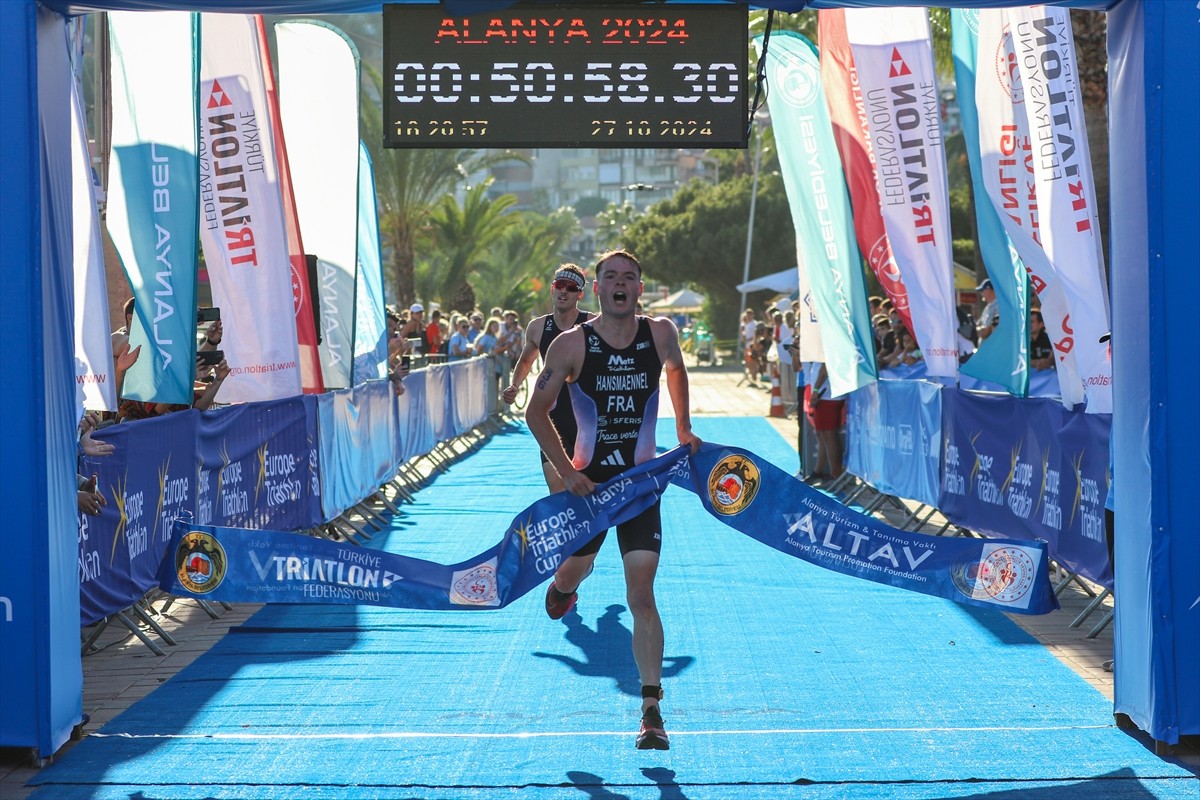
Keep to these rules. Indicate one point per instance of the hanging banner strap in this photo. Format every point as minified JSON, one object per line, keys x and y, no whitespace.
{"x":734,"y":485}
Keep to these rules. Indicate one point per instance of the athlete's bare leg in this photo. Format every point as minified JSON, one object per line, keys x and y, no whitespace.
{"x":554,"y":481}
{"x":572,"y":571}
{"x":640,"y":569}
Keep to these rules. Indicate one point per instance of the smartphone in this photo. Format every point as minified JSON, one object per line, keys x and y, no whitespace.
{"x":206,"y":314}
{"x":406,"y":361}
{"x":210,"y":358}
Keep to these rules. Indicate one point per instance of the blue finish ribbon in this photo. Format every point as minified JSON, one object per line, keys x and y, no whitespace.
{"x":735,"y":486}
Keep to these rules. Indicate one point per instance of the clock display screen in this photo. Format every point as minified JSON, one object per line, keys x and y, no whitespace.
{"x":586,"y":75}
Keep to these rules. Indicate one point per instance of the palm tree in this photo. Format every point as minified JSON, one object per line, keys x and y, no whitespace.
{"x":463,"y":233}
{"x":409,"y":183}
{"x":527,"y":252}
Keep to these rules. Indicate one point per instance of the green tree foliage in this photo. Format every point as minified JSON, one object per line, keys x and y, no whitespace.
{"x":698,"y":237}
{"x":461,"y":235}
{"x":409,"y":183}
{"x":518,"y":265}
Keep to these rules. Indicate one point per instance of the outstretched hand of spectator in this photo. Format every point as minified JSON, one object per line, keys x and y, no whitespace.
{"x":90,"y":500}
{"x":126,"y":358}
{"x":90,"y":446}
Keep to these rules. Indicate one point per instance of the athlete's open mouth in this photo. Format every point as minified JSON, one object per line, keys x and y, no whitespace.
{"x":620,"y":297}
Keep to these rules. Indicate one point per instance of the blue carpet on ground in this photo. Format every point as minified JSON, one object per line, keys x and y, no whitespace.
{"x":782,"y":680}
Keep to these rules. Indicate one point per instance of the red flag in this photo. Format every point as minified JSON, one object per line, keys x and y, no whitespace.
{"x":306,"y":329}
{"x":848,"y":114}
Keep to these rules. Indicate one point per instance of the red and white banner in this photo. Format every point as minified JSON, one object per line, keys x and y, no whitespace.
{"x":1007,"y":155}
{"x":241,"y":224}
{"x":893,"y":55}
{"x":302,"y":291}
{"x":318,"y":106}
{"x":847,"y":111}
{"x":1062,"y":172}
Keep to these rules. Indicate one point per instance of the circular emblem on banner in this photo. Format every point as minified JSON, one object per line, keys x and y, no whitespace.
{"x":297,"y":290}
{"x":1007,"y":71}
{"x":798,"y":81}
{"x":970,"y":17}
{"x":732,"y":484}
{"x":200,"y":562}
{"x":1005,"y":575}
{"x":475,"y":587}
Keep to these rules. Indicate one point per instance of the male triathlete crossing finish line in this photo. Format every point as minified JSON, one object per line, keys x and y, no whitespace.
{"x":612,"y":365}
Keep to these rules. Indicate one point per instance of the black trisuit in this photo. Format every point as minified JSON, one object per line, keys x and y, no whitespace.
{"x":560,"y":413}
{"x":615,"y":401}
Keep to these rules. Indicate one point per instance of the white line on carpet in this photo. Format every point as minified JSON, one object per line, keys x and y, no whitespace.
{"x":589,"y":734}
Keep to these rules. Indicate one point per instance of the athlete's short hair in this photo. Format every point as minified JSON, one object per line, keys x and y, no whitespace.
{"x":613,"y":254}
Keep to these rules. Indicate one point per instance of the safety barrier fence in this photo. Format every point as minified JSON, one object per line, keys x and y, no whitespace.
{"x":987,"y":465}
{"x":315,"y":463}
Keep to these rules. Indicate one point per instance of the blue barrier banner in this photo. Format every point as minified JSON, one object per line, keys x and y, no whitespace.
{"x":894,"y":438}
{"x":356,"y":444}
{"x":258,"y":465}
{"x":468,"y":390}
{"x":1042,"y":382}
{"x":412,"y":413}
{"x":1029,"y":470}
{"x":148,"y":481}
{"x":438,"y":402}
{"x":735,"y":486}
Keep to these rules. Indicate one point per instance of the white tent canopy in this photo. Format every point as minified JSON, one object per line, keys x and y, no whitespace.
{"x":786,"y":281}
{"x":685,"y":301}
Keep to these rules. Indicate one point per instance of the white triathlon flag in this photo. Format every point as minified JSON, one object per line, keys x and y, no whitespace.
{"x":241,"y":225}
{"x":893,"y":54}
{"x":1062,"y":172}
{"x":318,"y":103}
{"x":94,"y":372}
{"x":1006,"y":153}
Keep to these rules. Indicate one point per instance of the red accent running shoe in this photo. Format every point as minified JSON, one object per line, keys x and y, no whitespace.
{"x":652,"y":736}
{"x":557,"y":603}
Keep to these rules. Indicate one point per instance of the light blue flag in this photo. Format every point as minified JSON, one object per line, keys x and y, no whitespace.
{"x":820,"y":204}
{"x":153,"y":199}
{"x":1003,"y":357}
{"x":370,"y":325}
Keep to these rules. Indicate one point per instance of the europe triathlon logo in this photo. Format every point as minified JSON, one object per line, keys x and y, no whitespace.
{"x":732,"y":484}
{"x":200,"y":562}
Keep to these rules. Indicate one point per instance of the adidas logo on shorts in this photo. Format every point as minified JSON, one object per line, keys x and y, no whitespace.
{"x":613,"y":460}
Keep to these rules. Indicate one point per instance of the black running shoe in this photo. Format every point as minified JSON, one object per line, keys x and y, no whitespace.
{"x":652,"y":736}
{"x":557,"y":603}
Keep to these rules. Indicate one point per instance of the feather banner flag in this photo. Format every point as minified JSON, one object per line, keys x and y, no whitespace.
{"x":302,"y":290}
{"x":1062,"y":173}
{"x":812,"y":176}
{"x":847,"y":110}
{"x":370,"y":323}
{"x":893,"y":55}
{"x":1003,"y":357}
{"x":318,"y":103}
{"x":1006,"y":157}
{"x":94,"y":371}
{"x":153,"y":205}
{"x":242,"y":229}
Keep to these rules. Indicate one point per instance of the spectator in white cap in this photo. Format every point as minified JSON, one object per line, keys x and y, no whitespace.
{"x":415,"y":327}
{"x":990,"y":317}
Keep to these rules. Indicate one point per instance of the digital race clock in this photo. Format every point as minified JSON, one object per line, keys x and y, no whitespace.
{"x":587,"y":75}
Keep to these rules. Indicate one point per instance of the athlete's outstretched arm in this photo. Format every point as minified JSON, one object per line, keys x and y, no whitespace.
{"x":524,"y":363}
{"x":666,"y":339}
{"x":563,"y":360}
